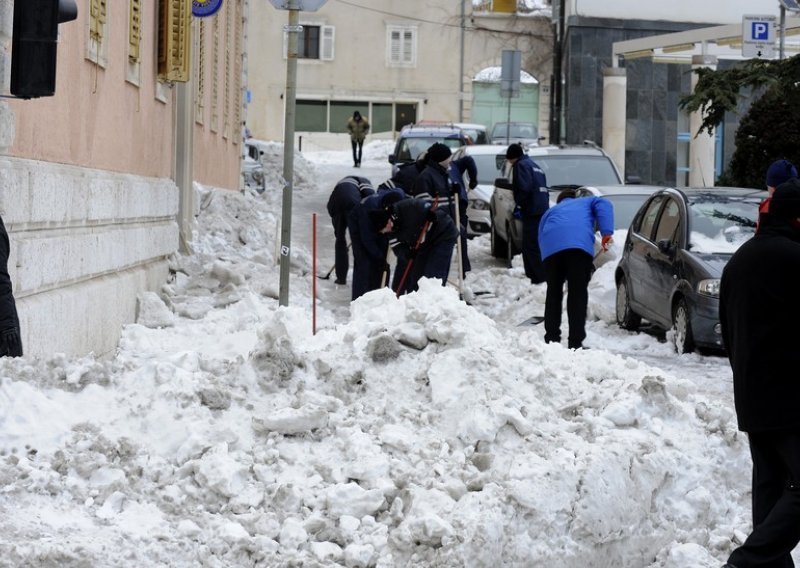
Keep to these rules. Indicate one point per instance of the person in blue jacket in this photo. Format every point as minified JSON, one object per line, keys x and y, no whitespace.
{"x":529,"y":186}
{"x":369,"y":248}
{"x":347,"y":193}
{"x":566,"y":238}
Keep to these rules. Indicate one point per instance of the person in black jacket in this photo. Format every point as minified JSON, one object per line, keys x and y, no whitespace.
{"x":10,"y":341}
{"x":345,"y":195}
{"x":759,"y":314}
{"x":422,"y":236}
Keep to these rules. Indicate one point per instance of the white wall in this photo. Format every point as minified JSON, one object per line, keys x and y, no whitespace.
{"x":702,"y":11}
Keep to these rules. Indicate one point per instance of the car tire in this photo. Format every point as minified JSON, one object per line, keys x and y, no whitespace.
{"x":682,"y":328}
{"x":626,"y":317}
{"x":498,"y":245}
{"x":511,"y":248}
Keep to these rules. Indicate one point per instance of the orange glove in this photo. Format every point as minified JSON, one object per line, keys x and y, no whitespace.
{"x":607,"y":239}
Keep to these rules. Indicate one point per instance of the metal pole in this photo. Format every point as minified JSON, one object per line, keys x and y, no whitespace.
{"x":288,"y":151}
{"x":461,"y":67}
{"x":783,"y":33}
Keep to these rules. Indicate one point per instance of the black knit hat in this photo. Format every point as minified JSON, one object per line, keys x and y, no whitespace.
{"x":439,"y":152}
{"x":378,"y":218}
{"x":514,"y":151}
{"x":785,"y":202}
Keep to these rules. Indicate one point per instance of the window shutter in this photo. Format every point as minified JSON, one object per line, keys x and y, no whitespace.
{"x":174,"y":34}
{"x":134,"y":31}
{"x":97,"y":19}
{"x":328,"y":41}
{"x":408,"y":46}
{"x":395,"y":47}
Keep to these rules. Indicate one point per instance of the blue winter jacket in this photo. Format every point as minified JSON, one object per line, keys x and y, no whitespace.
{"x":571,"y":225}
{"x":529,"y":185}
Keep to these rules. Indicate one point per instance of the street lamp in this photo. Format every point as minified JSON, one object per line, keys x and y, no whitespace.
{"x":294,"y":28}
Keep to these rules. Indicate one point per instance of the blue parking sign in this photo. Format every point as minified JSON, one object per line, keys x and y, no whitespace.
{"x":759,"y":31}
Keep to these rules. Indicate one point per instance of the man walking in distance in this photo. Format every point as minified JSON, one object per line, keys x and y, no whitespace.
{"x":529,"y":185}
{"x":345,"y":196}
{"x":759,"y":310}
{"x":357,"y":126}
{"x":566,"y":237}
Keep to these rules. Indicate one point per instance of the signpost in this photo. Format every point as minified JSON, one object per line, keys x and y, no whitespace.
{"x":294,"y":28}
{"x":758,"y":36}
{"x":511,"y":64}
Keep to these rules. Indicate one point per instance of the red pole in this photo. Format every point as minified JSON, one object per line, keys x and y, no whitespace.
{"x":313,"y":273}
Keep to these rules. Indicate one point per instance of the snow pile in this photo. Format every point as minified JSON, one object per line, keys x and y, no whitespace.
{"x":419,"y":431}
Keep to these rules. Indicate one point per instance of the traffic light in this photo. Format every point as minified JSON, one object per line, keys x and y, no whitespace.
{"x":33,"y":45}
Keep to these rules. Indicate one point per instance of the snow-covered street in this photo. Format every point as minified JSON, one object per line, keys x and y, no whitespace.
{"x":419,"y":431}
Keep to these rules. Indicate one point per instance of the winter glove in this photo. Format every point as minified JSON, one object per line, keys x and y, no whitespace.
{"x":606,"y":240}
{"x":473,"y":183}
{"x":517,"y":212}
{"x":430,"y":216}
{"x":10,"y":343}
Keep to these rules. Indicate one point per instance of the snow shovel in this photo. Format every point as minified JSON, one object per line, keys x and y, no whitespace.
{"x":420,"y":238}
{"x":328,"y":274}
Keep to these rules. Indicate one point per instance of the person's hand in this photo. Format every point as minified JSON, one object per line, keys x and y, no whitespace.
{"x":606,"y":240}
{"x":473,"y":183}
{"x":431,"y":215}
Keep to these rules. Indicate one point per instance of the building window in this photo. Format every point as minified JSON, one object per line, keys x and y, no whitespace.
{"x":133,"y":71}
{"x":174,"y":35}
{"x":313,"y":42}
{"x":199,"y":72}
{"x":402,"y":46}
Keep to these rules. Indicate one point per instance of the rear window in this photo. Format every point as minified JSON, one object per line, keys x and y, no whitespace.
{"x":625,"y":208}
{"x":411,"y":148}
{"x":487,"y":167}
{"x":577,"y":170}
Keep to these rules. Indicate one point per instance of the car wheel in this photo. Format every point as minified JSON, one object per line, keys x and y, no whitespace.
{"x":498,"y":245}
{"x":626,"y":317}
{"x":511,"y":248}
{"x":682,"y":328}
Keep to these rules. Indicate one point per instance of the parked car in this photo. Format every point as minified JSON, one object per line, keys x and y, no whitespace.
{"x":415,"y":139}
{"x":564,"y":166}
{"x":488,"y":161}
{"x":253,"y":164}
{"x":672,"y":260}
{"x":476,"y":133}
{"x":526,"y":133}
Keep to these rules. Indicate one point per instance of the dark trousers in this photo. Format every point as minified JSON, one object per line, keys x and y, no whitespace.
{"x":357,"y":155}
{"x":341,"y":256}
{"x":531,"y":255}
{"x":573,"y":266}
{"x":432,"y":261}
{"x":367,"y":272}
{"x":776,"y":501}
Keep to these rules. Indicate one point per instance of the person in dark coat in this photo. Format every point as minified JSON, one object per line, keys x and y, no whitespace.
{"x":457,"y":170}
{"x":370,"y":265}
{"x":529,"y":185}
{"x":10,"y":339}
{"x":759,"y":313}
{"x":406,"y":175}
{"x":420,"y":234}
{"x":345,"y":195}
{"x":566,"y":238}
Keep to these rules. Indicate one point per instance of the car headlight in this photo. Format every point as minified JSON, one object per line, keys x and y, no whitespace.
{"x":478,"y":204}
{"x":709,"y":287}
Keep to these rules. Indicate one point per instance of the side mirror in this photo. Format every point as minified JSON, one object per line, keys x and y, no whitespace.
{"x":502,"y":183}
{"x":392,"y":158}
{"x":665,"y":246}
{"x":633,"y":180}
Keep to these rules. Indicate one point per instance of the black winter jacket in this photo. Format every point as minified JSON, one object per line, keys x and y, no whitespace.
{"x":760,"y":317}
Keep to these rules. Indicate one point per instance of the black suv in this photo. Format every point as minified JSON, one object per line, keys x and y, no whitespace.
{"x":415,"y":139}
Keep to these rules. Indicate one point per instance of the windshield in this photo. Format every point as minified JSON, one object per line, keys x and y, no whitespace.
{"x":519,"y":130}
{"x":487,"y":167}
{"x":718,"y":226}
{"x":577,"y":170}
{"x":411,"y":148}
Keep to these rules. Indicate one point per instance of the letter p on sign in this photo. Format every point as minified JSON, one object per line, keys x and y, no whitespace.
{"x":760,"y":31}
